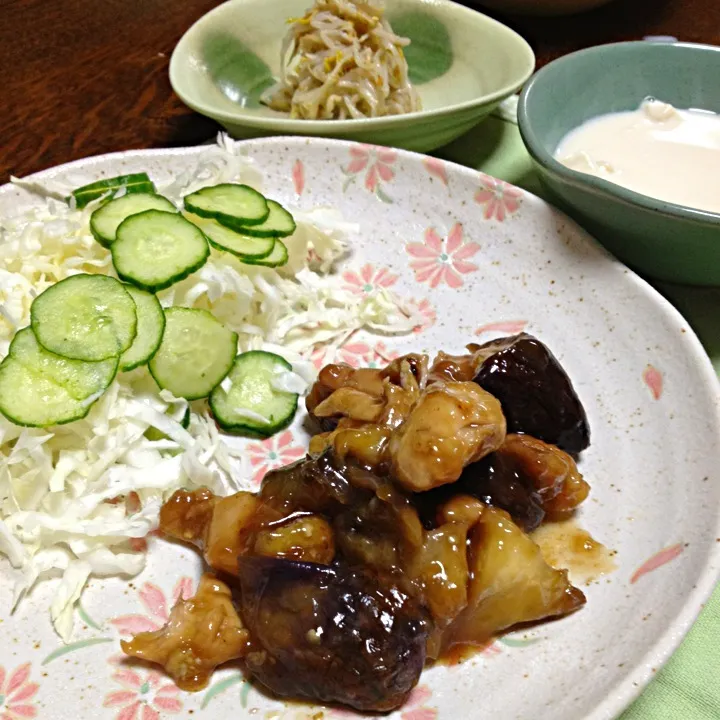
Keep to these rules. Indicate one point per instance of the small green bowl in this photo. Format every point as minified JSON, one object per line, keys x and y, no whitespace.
{"x":659,"y":239}
{"x":463,"y":64}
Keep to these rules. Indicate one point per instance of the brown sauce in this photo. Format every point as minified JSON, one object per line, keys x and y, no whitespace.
{"x":566,"y":545}
{"x":459,"y":654}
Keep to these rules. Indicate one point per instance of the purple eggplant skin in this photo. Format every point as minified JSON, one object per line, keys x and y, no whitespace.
{"x":331,"y":634}
{"x":535,"y":392}
{"x":495,"y":480}
{"x":320,"y":485}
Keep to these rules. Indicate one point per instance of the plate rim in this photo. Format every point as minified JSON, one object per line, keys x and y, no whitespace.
{"x":638,"y":678}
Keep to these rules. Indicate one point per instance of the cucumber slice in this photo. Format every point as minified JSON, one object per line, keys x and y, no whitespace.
{"x":150,"y":328}
{"x":195,"y":354}
{"x":248,"y":402}
{"x":279,"y":223}
{"x":155,"y":249}
{"x":136,"y":182}
{"x":79,"y":378}
{"x":31,"y":399}
{"x":223,"y":238}
{"x":278,"y":256}
{"x":85,"y":317}
{"x":105,"y":220}
{"x":229,"y":203}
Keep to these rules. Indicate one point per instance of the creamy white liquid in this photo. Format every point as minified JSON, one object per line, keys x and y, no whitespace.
{"x":658,"y":151}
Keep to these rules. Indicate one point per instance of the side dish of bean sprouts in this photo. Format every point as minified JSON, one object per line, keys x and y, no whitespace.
{"x":343,"y":61}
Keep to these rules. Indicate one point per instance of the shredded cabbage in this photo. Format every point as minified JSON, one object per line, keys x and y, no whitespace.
{"x":77,"y":500}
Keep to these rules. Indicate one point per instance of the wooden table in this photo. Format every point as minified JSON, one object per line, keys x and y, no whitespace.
{"x":82,"y":77}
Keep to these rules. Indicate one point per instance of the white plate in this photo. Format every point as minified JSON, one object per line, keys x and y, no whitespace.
{"x":649,"y":390}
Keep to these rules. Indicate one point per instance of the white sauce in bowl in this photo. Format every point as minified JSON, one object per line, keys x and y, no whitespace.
{"x":667,"y":154}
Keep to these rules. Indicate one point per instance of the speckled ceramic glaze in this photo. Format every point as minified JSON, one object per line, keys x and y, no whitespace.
{"x":462,"y":63}
{"x":480,"y":258}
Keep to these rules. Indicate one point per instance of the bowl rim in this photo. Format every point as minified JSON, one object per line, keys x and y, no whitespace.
{"x":320,"y":127}
{"x":600,"y":186}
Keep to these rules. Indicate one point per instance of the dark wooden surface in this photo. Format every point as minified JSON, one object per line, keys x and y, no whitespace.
{"x":83,"y":77}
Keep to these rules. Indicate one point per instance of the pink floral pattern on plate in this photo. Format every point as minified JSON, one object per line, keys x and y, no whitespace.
{"x":499,"y":198}
{"x":298,"y":177}
{"x":375,"y":163}
{"x":436,"y":168}
{"x":356,"y":353}
{"x":320,"y":356}
{"x":145,"y":695}
{"x":361,"y":354}
{"x":511,"y":327}
{"x":16,"y":693}
{"x":368,"y":279}
{"x":272,"y":453}
{"x":437,"y":261}
{"x":653,"y":378}
{"x":416,"y":706}
{"x":425,"y":311}
{"x":657,"y":561}
{"x":491,"y":649}
{"x":156,"y":603}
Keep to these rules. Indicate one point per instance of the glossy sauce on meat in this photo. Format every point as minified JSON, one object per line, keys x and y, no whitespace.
{"x":528,"y":478}
{"x":452,"y":424}
{"x":401,"y":538}
{"x":537,"y":396}
{"x":202,"y":633}
{"x":551,"y":472}
{"x":332,"y":634}
{"x":329,"y":540}
{"x":382,"y":396}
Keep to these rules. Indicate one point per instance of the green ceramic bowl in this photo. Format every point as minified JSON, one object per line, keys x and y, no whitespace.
{"x":660,"y":239}
{"x":462,"y":62}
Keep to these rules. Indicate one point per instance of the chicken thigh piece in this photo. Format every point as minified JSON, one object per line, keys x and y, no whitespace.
{"x":452,"y":425}
{"x":202,"y":633}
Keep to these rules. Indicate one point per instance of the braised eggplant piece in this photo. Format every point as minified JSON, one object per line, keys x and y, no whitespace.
{"x":535,"y":392}
{"x":552,"y":473}
{"x":529,"y":479}
{"x":496,"y":480}
{"x":401,"y":535}
{"x":332,"y":634}
{"x":373,"y":523}
{"x":202,"y":633}
{"x":439,"y":570}
{"x":382,"y":533}
{"x":510,"y":583}
{"x":320,"y":484}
